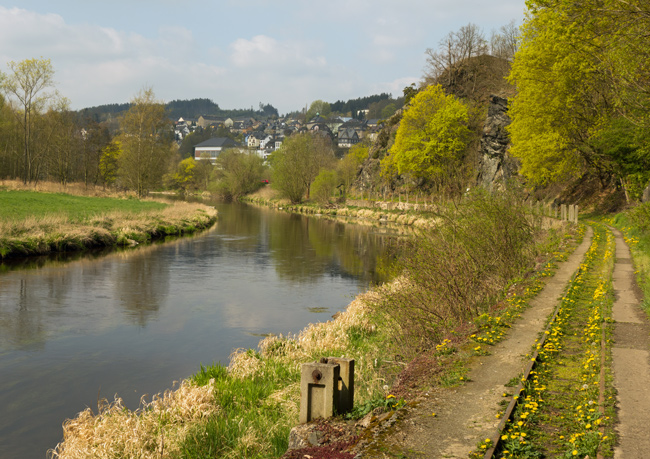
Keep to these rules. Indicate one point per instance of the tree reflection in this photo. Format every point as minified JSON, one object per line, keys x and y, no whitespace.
{"x":141,"y":283}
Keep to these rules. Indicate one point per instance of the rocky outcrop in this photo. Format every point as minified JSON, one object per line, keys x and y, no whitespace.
{"x":495,"y":166}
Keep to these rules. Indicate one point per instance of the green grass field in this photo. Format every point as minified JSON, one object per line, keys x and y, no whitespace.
{"x":17,"y":205}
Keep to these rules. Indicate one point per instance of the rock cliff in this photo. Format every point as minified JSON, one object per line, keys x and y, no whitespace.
{"x":495,"y":166}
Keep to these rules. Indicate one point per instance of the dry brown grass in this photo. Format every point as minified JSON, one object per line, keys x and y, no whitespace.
{"x":76,"y":188}
{"x":155,"y":430}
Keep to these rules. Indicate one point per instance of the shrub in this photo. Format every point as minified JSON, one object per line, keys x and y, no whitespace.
{"x":452,"y":272}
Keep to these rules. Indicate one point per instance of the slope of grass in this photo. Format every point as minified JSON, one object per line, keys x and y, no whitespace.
{"x":36,"y":223}
{"x":20,"y":205}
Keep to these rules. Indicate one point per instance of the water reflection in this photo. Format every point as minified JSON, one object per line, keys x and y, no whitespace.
{"x":131,"y":322}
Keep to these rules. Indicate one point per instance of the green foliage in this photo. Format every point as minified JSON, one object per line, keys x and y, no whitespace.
{"x":577,"y":71}
{"x":184,"y":176}
{"x":431,"y":139}
{"x":297,"y":163}
{"x":318,"y":108}
{"x":455,"y":270}
{"x":323,"y":186}
{"x":352,"y":106}
{"x":348,"y":167}
{"x":239,"y":173}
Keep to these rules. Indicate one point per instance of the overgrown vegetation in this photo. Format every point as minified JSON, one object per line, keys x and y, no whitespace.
{"x":456,"y":270}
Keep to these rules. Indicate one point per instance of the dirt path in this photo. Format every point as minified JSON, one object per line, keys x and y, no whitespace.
{"x":466,"y":415}
{"x":631,"y":359}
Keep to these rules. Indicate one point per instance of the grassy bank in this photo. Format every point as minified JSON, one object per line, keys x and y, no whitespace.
{"x":248,"y":408}
{"x":37,"y":223}
{"x":347,"y":213}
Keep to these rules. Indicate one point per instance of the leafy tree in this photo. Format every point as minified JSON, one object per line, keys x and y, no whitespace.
{"x":146,"y":143}
{"x":581,"y":71}
{"x":108,"y":163}
{"x":348,"y":167}
{"x":27,"y":83}
{"x":183,"y":178}
{"x":297,"y":163}
{"x":318,"y":107}
{"x":239,"y":173}
{"x":431,"y":140}
{"x":323,"y":186}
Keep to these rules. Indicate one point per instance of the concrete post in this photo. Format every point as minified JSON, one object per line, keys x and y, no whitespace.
{"x":318,"y":390}
{"x":345,"y":387}
{"x":563,"y":212}
{"x":575,"y":215}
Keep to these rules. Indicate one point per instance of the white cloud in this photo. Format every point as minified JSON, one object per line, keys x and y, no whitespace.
{"x":262,"y":51}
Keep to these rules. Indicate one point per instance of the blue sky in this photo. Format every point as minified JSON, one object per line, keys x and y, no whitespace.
{"x":238,"y":53}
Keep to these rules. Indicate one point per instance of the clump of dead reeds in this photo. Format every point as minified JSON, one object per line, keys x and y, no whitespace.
{"x":155,"y":430}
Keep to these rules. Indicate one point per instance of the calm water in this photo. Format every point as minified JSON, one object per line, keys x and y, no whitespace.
{"x":133,"y":322}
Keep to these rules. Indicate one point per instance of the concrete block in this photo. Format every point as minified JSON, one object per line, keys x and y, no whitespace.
{"x":318,"y":390}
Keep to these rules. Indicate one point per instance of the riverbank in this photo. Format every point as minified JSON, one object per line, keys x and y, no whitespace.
{"x":420,"y":216}
{"x":39,"y":223}
{"x":253,"y":403}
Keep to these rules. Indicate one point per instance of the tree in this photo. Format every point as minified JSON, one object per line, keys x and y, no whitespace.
{"x":580,"y":67}
{"x":348,"y":167}
{"x":239,"y":172}
{"x":431,"y":140}
{"x":456,"y":47}
{"x":146,"y":143}
{"x":297,"y":163}
{"x":503,"y":44}
{"x":108,"y":163}
{"x":318,"y":107}
{"x":323,"y":186}
{"x":27,"y":83}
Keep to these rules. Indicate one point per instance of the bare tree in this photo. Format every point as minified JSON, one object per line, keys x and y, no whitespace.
{"x":503,"y":43}
{"x":471,"y":41}
{"x":454,"y":48}
{"x":27,"y":82}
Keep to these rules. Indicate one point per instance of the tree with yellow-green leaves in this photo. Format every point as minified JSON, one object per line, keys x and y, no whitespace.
{"x":146,"y":144}
{"x":431,"y":141}
{"x":583,"y":97}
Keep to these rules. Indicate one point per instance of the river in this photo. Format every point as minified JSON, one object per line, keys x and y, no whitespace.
{"x":132,"y":322}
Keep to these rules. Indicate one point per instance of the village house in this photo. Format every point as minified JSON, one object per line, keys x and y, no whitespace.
{"x":212,"y":148}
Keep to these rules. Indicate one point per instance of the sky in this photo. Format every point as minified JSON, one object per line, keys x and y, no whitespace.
{"x":238,"y":53}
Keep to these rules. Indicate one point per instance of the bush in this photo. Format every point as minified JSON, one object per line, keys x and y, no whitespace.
{"x":323,"y":186}
{"x":452,"y":273}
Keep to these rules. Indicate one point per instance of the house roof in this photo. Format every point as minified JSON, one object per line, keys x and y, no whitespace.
{"x":217,"y":142}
